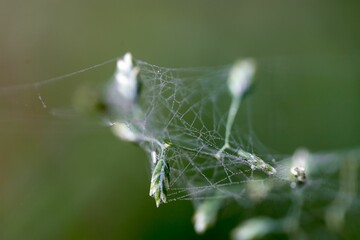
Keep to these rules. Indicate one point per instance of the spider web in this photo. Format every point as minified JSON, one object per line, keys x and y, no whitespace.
{"x":186,"y":109}
{"x":183,"y":120}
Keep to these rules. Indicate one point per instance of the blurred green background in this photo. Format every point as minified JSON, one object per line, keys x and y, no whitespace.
{"x":64,"y":176}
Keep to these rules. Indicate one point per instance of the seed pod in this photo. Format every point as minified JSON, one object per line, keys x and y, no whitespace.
{"x":160,"y":182}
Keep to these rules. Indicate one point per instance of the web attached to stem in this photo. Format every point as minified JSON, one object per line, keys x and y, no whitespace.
{"x":199,"y":144}
{"x":185,"y":111}
{"x":198,"y":154}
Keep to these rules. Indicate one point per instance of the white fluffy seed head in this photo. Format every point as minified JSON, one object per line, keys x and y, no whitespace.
{"x":255,"y":228}
{"x":125,"y":78}
{"x":241,"y":77}
{"x":123,"y":131}
{"x":200,"y":222}
{"x":299,"y":166}
{"x":122,"y":92}
{"x":153,"y":157}
{"x":206,"y":214}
